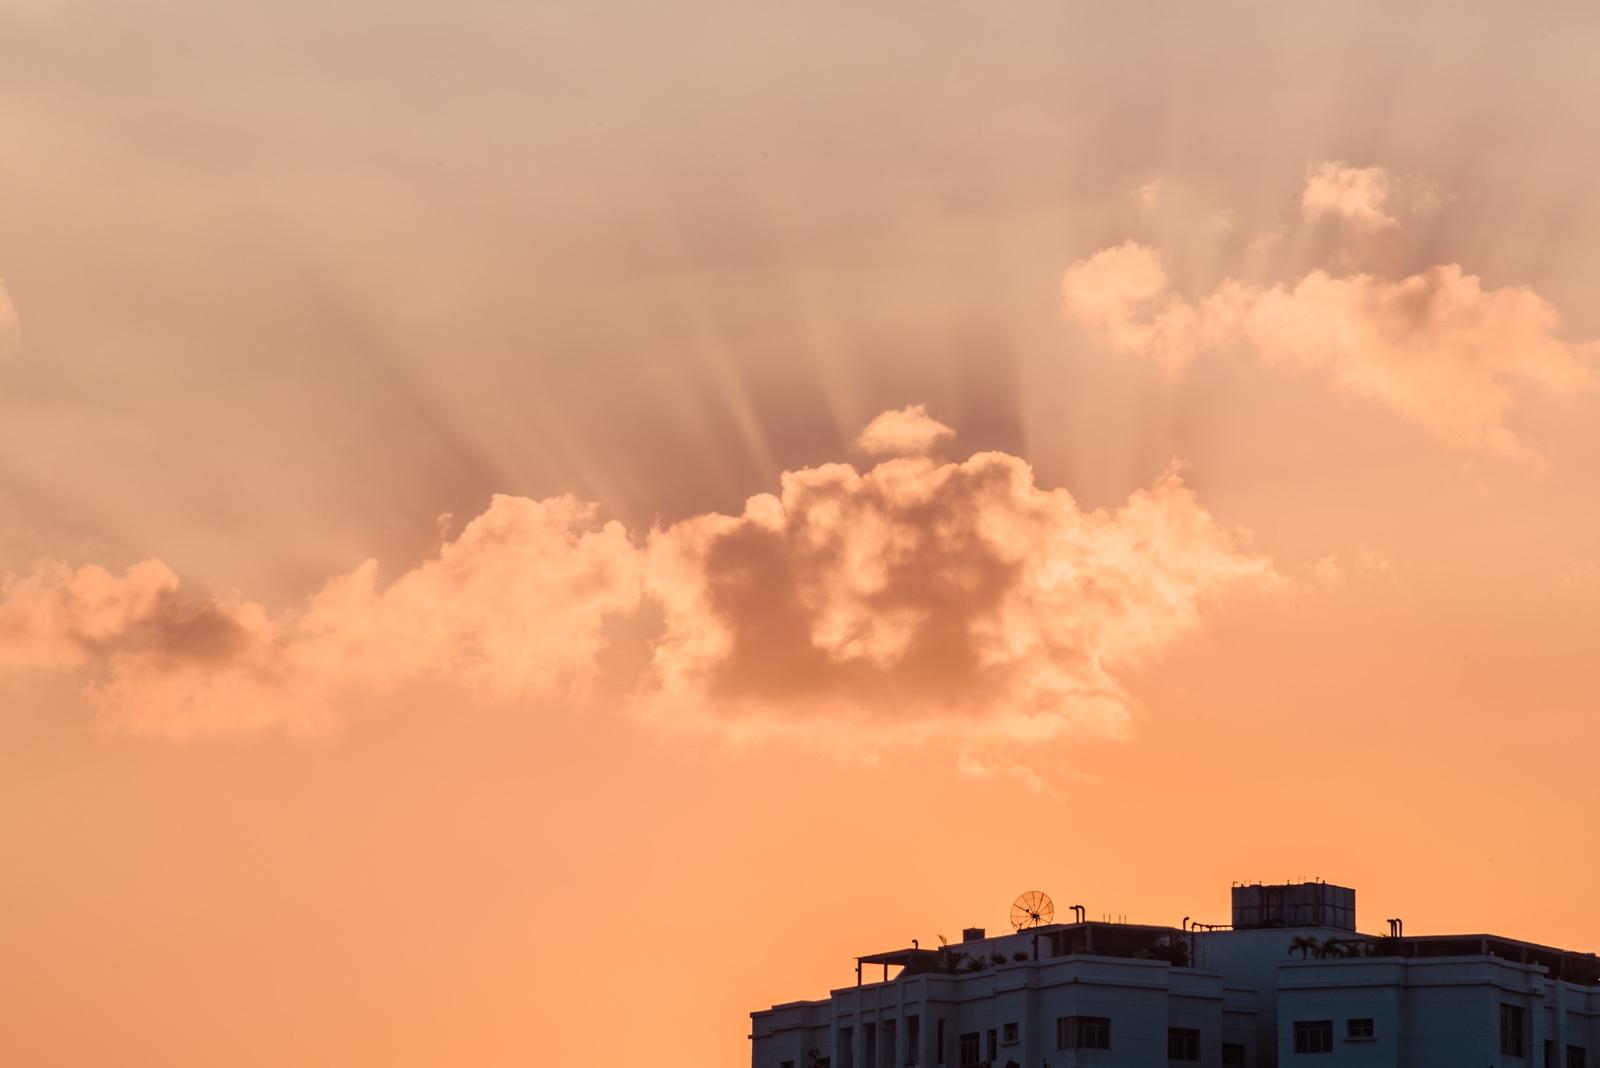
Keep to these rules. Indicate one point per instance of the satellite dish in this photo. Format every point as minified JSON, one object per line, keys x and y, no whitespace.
{"x":1032,"y":909}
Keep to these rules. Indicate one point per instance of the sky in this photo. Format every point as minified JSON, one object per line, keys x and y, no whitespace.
{"x":528,"y":529}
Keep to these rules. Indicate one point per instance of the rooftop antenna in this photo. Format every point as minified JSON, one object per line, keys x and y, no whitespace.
{"x":1032,"y":909}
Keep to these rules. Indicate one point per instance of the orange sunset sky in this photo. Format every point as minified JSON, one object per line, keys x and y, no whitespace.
{"x":528,"y":531}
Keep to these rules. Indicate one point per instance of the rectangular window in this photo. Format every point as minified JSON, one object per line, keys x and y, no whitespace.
{"x":1577,"y":1057}
{"x":994,"y":1045}
{"x":1083,"y":1032}
{"x":938,"y":1037}
{"x":847,"y":1047}
{"x":1183,"y":1044}
{"x":969,"y":1049}
{"x":1233,"y":1055}
{"x":1513,"y":1031}
{"x":888,"y":1044}
{"x":1313,"y":1036}
{"x":1359,"y":1027}
{"x":1008,"y":1034}
{"x":1550,"y":1054}
{"x":913,"y":1039}
{"x":786,"y":1064}
{"x":869,"y":1032}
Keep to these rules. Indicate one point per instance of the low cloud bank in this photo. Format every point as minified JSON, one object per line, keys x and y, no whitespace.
{"x":916,"y":600}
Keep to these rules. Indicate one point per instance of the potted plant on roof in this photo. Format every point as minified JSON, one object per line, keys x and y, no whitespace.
{"x":1303,"y":946}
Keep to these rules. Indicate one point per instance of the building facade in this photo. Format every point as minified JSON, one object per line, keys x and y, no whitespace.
{"x":1288,"y":982}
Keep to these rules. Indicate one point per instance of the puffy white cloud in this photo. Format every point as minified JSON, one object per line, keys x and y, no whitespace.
{"x":1436,"y":347}
{"x":916,"y":600}
{"x":515,"y":607}
{"x":1368,"y":198}
{"x":903,"y":432}
{"x":923,"y":599}
{"x":1124,"y":298}
{"x":1357,"y":194}
{"x":162,"y":661}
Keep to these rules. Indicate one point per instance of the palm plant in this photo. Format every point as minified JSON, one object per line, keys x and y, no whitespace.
{"x":950,"y":960}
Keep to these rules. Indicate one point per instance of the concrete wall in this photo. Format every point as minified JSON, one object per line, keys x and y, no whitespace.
{"x":1142,"y":999}
{"x":1433,"y":1011}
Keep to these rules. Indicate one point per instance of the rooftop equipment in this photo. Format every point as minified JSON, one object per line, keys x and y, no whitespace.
{"x":1032,"y":909}
{"x":1294,"y":905}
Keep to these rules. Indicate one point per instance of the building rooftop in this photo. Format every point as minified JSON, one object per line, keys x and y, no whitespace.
{"x":1310,"y":907}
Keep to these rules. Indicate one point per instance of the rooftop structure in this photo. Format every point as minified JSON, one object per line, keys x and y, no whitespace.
{"x":1290,"y":982}
{"x":1293,"y":905}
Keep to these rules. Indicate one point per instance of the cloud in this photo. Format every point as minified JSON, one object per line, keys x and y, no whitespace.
{"x":917,"y":600}
{"x":903,"y":432}
{"x":1356,"y":194}
{"x":1148,"y":194}
{"x":514,"y":607}
{"x":1436,"y":347}
{"x":1367,"y":564}
{"x":163,"y":661}
{"x":925,"y":600}
{"x":1366,"y":197}
{"x":1122,"y":297}
{"x":10,"y":326}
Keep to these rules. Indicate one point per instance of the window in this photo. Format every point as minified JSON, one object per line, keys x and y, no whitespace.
{"x":786,"y":1064}
{"x":994,"y":1045}
{"x":1313,"y":1036}
{"x":969,"y":1049}
{"x":1577,"y":1057}
{"x":888,"y":1044}
{"x":847,"y":1047}
{"x":1183,"y":1044}
{"x":1550,"y":1054}
{"x":938,"y":1034}
{"x":914,"y":1039}
{"x":1083,"y":1032}
{"x":1360,"y":1027}
{"x":1233,"y":1055}
{"x":1008,"y":1035}
{"x":1513,"y":1031}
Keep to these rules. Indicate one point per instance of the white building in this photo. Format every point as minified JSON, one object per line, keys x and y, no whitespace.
{"x":1288,"y":982}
